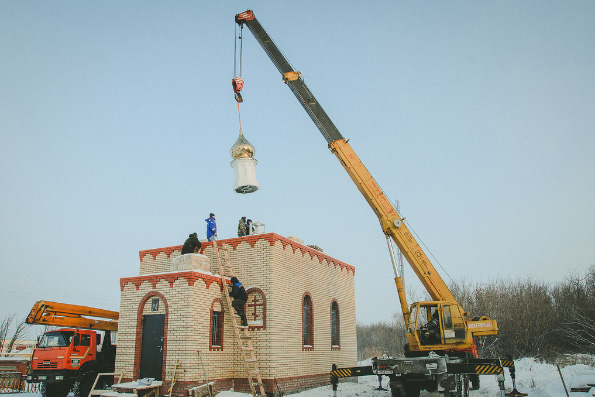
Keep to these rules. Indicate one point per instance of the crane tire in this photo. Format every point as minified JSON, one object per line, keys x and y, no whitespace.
{"x":404,"y":389}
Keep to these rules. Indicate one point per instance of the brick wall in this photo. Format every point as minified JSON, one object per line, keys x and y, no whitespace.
{"x":277,"y":272}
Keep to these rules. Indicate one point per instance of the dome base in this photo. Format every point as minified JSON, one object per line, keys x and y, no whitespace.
{"x":246,"y":189}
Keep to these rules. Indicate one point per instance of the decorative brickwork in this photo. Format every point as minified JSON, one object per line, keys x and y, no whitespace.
{"x":256,"y":309}
{"x":277,"y":273}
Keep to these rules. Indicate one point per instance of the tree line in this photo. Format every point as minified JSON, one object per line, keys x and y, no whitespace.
{"x":535,"y":319}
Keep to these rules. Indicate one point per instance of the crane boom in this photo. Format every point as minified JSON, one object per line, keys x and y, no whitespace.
{"x":67,"y":315}
{"x":440,"y":349}
{"x":292,"y":78}
{"x":364,"y":181}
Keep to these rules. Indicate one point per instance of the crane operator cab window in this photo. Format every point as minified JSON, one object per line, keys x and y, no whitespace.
{"x":454,"y":325}
{"x":428,"y":325}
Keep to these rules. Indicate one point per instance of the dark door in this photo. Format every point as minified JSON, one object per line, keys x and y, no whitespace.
{"x":151,"y":356}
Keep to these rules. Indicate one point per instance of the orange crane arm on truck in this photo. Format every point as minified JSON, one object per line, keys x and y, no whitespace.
{"x":67,"y":315}
{"x":69,"y":358}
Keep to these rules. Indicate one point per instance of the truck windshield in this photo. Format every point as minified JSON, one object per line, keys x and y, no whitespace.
{"x":56,"y":339}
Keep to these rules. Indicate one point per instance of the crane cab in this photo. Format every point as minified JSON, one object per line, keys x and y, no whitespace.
{"x":438,"y":326}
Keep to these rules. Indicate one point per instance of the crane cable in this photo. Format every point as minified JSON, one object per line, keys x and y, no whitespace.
{"x":239,"y":117}
{"x":237,"y":88}
{"x":235,"y":50}
{"x":427,"y":249}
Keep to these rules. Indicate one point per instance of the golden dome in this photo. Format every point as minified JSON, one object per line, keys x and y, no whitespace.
{"x":242,"y":148}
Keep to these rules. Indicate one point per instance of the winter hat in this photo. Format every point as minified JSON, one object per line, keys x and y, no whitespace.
{"x":211,"y":214}
{"x":234,"y":280}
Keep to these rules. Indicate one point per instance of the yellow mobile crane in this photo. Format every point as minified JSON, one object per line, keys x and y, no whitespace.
{"x":440,"y":350}
{"x":69,"y":358}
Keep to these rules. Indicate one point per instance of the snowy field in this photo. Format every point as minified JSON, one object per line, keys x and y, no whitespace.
{"x":534,"y":378}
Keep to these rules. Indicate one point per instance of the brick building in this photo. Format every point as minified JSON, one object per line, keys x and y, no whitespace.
{"x":300,"y":310}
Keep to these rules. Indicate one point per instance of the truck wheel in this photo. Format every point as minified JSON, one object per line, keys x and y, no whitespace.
{"x":54,"y":389}
{"x":83,"y":386}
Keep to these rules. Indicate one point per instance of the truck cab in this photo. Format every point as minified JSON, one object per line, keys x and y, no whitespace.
{"x":62,"y":351}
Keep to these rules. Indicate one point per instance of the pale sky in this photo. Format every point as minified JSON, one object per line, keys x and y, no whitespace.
{"x":116,"y":120}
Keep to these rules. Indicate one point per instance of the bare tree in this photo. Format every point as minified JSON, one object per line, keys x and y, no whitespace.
{"x":535,"y":319}
{"x":374,"y":340}
{"x":575,"y":301}
{"x":6,"y":342}
{"x":19,"y":333}
{"x":4,"y":328}
{"x":580,"y":331}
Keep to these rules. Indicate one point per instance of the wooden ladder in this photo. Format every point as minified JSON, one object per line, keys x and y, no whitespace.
{"x":97,"y":392}
{"x":242,"y":334}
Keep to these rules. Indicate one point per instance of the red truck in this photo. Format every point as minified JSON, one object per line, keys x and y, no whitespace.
{"x":70,"y":358}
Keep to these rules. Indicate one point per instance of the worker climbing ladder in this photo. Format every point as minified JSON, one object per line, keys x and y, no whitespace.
{"x":242,"y":333}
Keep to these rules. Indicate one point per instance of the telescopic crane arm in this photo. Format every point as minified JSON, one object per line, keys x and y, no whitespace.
{"x":291,"y":77}
{"x":67,"y":315}
{"x":391,"y":222}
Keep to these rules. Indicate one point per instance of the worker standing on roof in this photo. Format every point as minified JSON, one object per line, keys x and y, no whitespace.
{"x":242,"y":227}
{"x":211,"y":227}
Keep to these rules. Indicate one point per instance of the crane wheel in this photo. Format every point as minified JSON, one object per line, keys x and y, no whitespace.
{"x":404,"y":389}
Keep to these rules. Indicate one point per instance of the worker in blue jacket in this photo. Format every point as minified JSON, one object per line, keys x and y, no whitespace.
{"x":239,"y":295}
{"x":211,"y":227}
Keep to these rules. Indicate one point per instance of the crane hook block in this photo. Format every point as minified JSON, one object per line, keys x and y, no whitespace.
{"x":238,"y":84}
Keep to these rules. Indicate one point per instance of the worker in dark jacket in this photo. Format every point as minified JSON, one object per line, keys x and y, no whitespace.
{"x":239,"y":295}
{"x":242,"y":227}
{"x":191,"y":245}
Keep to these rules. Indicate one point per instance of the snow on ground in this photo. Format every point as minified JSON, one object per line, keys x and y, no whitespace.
{"x":532,"y":377}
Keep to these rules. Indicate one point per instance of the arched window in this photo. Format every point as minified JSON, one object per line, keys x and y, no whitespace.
{"x":216,"y":331}
{"x":335,"y":329}
{"x":307,"y":323}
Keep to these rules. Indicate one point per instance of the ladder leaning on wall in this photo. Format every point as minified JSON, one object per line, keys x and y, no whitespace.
{"x":242,"y":334}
